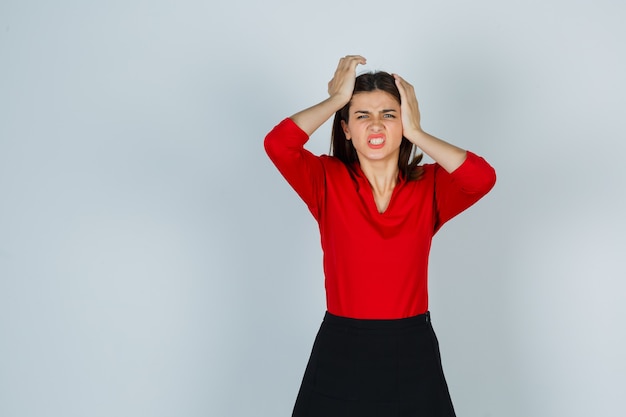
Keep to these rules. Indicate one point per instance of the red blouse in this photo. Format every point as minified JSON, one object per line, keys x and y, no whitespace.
{"x":375,"y":264}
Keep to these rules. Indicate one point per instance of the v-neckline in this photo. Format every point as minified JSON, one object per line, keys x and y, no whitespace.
{"x":371,"y":199}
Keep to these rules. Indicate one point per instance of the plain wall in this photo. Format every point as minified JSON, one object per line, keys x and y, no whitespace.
{"x":154,"y":263}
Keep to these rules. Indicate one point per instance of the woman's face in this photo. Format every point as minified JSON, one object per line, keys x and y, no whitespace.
{"x":374,"y":126}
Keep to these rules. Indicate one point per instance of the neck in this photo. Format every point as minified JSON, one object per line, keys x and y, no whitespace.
{"x":380,"y":175}
{"x":383,"y":177}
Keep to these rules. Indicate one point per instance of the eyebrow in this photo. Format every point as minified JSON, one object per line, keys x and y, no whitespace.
{"x":369,"y":112}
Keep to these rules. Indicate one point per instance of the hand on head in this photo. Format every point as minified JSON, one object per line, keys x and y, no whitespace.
{"x":408,"y":107}
{"x":342,"y":83}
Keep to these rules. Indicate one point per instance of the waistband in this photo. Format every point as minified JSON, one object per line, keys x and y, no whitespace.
{"x":402,"y":323}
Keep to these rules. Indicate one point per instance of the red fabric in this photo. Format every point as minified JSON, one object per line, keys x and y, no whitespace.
{"x":375,"y":264}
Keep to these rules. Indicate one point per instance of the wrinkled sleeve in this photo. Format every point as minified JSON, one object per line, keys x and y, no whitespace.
{"x":302,"y":170}
{"x":456,"y":191}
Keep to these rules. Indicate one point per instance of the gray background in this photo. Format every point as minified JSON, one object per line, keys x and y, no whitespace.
{"x":154,"y":263}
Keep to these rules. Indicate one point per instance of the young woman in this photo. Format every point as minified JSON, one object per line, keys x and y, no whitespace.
{"x":376,"y":353}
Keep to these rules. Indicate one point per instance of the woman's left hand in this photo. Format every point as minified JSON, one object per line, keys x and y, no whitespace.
{"x":410,"y":109}
{"x":450,"y":157}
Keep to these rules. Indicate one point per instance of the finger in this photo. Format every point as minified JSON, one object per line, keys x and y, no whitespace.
{"x":355,"y":57}
{"x":351,"y":61}
{"x":347,"y":66}
{"x":405,"y":88}
{"x":401,"y":84}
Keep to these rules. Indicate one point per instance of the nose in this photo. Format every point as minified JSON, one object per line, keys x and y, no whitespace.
{"x":376,"y":124}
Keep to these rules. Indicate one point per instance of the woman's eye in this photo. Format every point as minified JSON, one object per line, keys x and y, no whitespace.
{"x":389,"y":116}
{"x":362,"y":116}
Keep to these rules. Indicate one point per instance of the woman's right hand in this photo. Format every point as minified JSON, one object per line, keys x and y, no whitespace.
{"x":342,"y":84}
{"x":340,"y":89}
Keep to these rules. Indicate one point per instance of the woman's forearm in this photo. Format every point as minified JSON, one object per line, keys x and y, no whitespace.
{"x":312,"y":118}
{"x":449,"y":156}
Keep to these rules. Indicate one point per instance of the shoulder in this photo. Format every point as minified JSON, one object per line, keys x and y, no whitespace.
{"x":332,"y":163}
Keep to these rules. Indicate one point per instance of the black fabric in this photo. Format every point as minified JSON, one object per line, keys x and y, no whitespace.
{"x":374,"y":368}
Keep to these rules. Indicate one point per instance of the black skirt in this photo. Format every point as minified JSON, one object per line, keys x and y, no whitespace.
{"x":374,"y":368}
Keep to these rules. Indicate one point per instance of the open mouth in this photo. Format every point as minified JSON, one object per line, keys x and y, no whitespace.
{"x":376,"y":141}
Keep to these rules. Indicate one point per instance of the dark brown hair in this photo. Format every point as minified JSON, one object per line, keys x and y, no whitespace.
{"x":344,"y":150}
